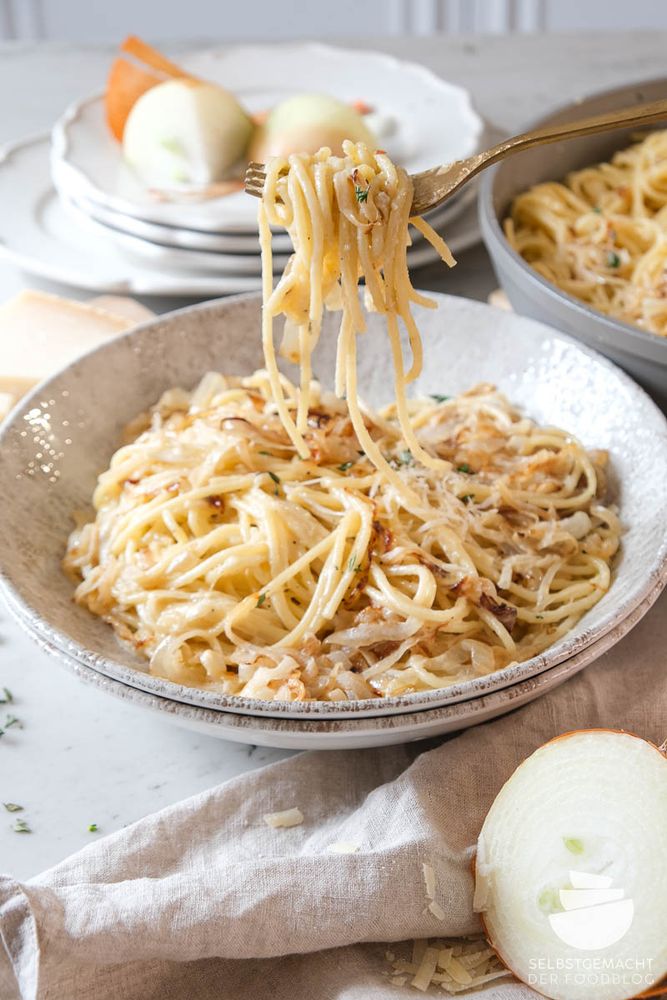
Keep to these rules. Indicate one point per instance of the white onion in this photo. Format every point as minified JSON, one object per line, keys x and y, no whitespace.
{"x":571,"y":868}
{"x":184,"y":132}
{"x":306,"y":122}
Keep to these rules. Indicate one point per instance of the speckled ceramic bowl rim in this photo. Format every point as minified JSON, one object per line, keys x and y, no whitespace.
{"x":566,"y":648}
{"x":645,"y":345}
{"x":406,"y":726}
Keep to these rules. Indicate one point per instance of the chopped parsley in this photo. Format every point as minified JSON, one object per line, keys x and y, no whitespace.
{"x":93,"y":828}
{"x":13,"y":807}
{"x":6,"y":697}
{"x":260,"y":600}
{"x":267,"y":453}
{"x":467,"y":498}
{"x":613,"y":260}
{"x":20,"y":826}
{"x":361,"y":194}
{"x":344,"y":466}
{"x":464,"y":468}
{"x":274,"y":477}
{"x":353,"y":566}
{"x":438,"y":398}
{"x":11,"y":722}
{"x":597,"y":209}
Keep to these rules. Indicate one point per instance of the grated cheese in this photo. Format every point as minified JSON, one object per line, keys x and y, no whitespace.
{"x":456,"y":966}
{"x":343,"y":847}
{"x":436,"y":910}
{"x":286,"y":818}
{"x":426,"y":969}
{"x":429,"y":880}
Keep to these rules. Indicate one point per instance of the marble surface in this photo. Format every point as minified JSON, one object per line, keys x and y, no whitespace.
{"x":81,"y":757}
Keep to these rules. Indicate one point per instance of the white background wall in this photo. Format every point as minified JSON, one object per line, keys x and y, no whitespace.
{"x":220,"y":20}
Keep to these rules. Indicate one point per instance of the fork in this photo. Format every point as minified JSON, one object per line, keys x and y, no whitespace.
{"x":432,"y":187}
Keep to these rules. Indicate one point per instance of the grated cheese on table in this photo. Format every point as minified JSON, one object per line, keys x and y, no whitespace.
{"x":436,"y":910}
{"x":429,"y":880}
{"x":455,"y":965}
{"x":343,"y":847}
{"x":286,"y":818}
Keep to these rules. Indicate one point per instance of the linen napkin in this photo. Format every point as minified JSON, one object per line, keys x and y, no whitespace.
{"x":205,"y":900}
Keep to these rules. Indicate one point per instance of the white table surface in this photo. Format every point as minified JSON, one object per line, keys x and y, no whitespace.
{"x":81,"y":757}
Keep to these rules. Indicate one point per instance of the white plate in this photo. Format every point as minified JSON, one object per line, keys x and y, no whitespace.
{"x":79,"y":413}
{"x":195,"y":261}
{"x":38,"y":234}
{"x":433,"y":122}
{"x":246,"y":243}
{"x":177,"y":236}
{"x":175,"y":258}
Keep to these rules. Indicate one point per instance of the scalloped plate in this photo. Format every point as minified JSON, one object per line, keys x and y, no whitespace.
{"x":430,"y":121}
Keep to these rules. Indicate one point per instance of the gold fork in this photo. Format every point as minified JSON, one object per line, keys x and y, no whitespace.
{"x":432,"y":187}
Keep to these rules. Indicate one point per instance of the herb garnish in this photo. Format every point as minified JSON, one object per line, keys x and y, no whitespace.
{"x":274,"y":477}
{"x":7,"y":697}
{"x":613,"y":260}
{"x":353,"y":566}
{"x":13,"y":807}
{"x":344,"y":466}
{"x":267,"y":453}
{"x":597,"y":209}
{"x":260,"y":600}
{"x":11,"y":722}
{"x":467,"y":498}
{"x":464,"y":467}
{"x":20,"y":826}
{"x":360,"y":193}
{"x":438,"y":398}
{"x":93,"y":828}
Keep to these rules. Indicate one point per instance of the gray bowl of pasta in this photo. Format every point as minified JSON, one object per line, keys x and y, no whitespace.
{"x":59,"y":440}
{"x":585,"y":248}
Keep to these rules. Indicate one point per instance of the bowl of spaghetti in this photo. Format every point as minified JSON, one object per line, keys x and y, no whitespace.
{"x":577,"y":232}
{"x":208,"y":562}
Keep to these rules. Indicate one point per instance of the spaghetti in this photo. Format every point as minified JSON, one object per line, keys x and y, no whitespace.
{"x":602,"y":235}
{"x":232,"y":561}
{"x":348,"y":219}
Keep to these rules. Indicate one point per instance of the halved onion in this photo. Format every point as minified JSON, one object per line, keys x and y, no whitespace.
{"x":185,"y":133}
{"x":571,"y":869}
{"x":306,"y":122}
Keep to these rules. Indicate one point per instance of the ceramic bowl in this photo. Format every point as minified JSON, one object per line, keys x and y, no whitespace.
{"x":62,"y":436}
{"x":643,"y":355}
{"x":342,"y":734}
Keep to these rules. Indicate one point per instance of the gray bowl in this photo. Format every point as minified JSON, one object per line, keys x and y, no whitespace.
{"x":642,"y":355}
{"x":60,"y":437}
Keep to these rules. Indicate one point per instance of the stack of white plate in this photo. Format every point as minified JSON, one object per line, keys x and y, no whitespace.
{"x":77,"y":416}
{"x":82,"y":216}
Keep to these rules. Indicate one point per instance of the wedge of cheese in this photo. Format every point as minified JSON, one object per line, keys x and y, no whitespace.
{"x":40,"y":333}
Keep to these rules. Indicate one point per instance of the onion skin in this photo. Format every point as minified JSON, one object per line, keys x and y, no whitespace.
{"x":654,"y":990}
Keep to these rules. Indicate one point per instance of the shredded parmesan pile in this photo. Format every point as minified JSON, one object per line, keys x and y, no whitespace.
{"x":453,"y":965}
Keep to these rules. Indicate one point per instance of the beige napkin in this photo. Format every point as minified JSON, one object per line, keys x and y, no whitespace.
{"x":204,"y":900}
